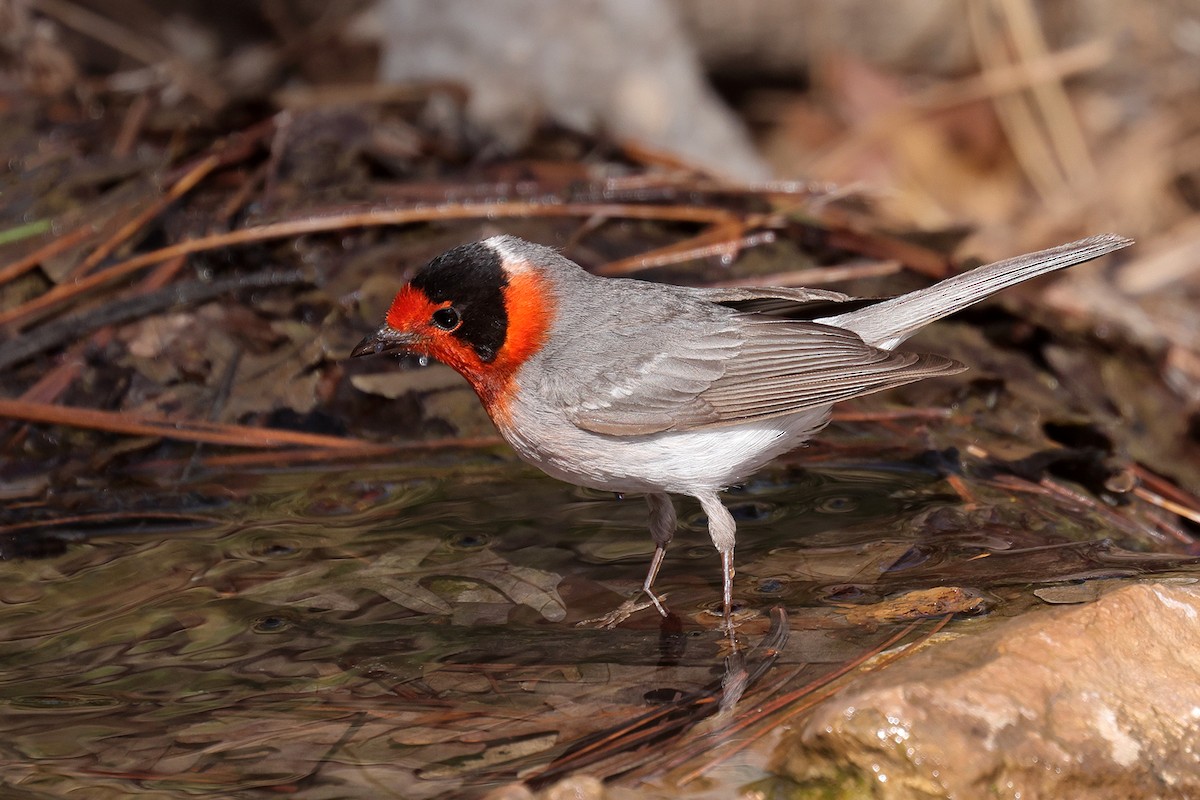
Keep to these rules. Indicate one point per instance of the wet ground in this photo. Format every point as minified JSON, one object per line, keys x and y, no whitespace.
{"x":409,"y":629}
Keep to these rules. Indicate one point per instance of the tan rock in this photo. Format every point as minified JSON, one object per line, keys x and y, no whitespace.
{"x":1084,"y":701}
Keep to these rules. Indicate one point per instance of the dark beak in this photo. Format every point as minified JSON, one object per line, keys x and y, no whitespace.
{"x":384,"y":340}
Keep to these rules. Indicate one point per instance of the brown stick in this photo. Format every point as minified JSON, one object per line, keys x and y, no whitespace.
{"x":182,"y":430}
{"x":49,"y":250}
{"x":178,"y":190}
{"x":22,"y":315}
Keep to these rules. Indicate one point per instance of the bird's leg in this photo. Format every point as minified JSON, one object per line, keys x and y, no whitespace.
{"x":662,"y":531}
{"x":722,"y":529}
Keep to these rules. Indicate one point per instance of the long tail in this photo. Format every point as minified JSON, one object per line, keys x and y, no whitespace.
{"x":889,"y":322}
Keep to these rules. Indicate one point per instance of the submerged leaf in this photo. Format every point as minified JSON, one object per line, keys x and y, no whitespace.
{"x":400,"y":576}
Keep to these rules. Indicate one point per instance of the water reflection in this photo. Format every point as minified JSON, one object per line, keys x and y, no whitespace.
{"x":371,"y":632}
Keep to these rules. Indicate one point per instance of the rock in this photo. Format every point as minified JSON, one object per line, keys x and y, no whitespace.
{"x":574,"y":787}
{"x":622,"y":66}
{"x":1083,"y":701}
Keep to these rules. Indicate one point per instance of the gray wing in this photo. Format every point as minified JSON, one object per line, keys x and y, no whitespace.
{"x":798,"y":295}
{"x":778,"y":301}
{"x":754,"y":368}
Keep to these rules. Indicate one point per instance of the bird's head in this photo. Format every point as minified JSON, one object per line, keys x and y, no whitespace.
{"x":482,"y":308}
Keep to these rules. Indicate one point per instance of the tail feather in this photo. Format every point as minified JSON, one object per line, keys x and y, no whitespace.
{"x":887,"y":323}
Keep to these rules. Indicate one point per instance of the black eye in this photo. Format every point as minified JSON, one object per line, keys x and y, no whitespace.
{"x":446,"y":318}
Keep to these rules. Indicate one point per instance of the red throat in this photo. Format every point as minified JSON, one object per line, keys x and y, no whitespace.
{"x":529,"y":308}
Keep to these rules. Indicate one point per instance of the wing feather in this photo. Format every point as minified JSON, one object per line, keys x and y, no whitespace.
{"x":755,"y":368}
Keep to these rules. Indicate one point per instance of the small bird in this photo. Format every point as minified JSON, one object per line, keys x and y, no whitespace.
{"x":637,"y":387}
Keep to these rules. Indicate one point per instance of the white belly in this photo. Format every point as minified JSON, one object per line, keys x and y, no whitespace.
{"x":676,"y":461}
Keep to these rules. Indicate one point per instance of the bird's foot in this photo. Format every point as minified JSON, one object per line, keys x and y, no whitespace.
{"x":624,"y":611}
{"x":730,"y":618}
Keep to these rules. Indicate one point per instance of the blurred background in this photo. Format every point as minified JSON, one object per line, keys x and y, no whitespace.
{"x":1017,"y":118}
{"x":1021,"y":122}
{"x":1001,"y":125}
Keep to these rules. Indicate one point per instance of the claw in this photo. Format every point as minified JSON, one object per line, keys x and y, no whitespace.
{"x":623,"y":612}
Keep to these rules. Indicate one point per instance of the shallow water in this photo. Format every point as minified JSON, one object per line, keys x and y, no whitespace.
{"x":383,"y":631}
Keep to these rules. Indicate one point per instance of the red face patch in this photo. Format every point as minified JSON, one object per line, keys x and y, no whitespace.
{"x":411,"y":311}
{"x":528,"y":309}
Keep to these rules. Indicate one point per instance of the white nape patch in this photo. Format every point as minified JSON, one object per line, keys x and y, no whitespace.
{"x":514,"y":262}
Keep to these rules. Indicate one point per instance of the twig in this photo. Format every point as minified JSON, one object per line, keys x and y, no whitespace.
{"x":48,"y":250}
{"x":293,"y":458}
{"x":104,"y":30}
{"x":26,"y":231}
{"x":793,"y":707}
{"x":373,"y":217}
{"x":50,"y":386}
{"x":1058,"y":117}
{"x":721,"y":240}
{"x":178,"y":190}
{"x":235,"y":148}
{"x":996,"y":81}
{"x":56,"y":334}
{"x":1161,"y":486}
{"x":131,"y":125}
{"x":671,"y":718}
{"x":181,"y":430}
{"x":106,"y":519}
{"x":301,"y":98}
{"x":1012,"y":109}
{"x":1175,"y":508}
